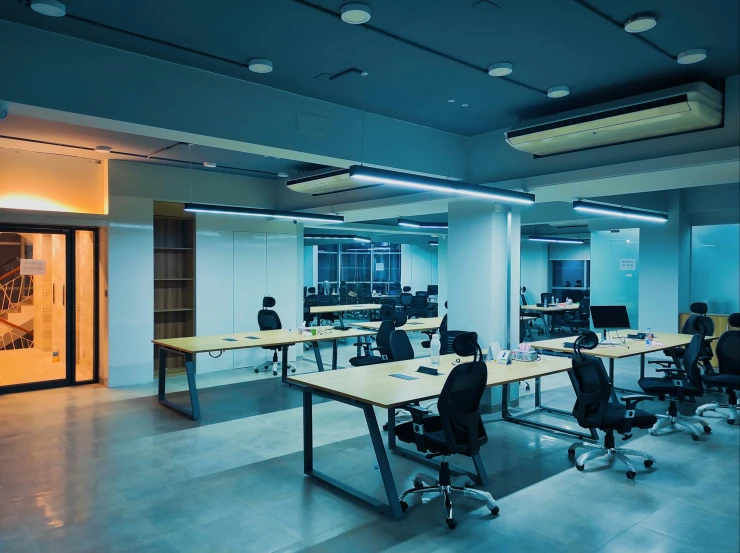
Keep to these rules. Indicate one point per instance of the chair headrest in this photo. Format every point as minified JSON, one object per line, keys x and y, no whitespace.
{"x":465,"y":344}
{"x":312,"y":290}
{"x":399,"y":319}
{"x":734,"y":320}
{"x":445,"y":304}
{"x":699,"y":307}
{"x":268,"y":301}
{"x":587,"y":340}
{"x":407,"y":288}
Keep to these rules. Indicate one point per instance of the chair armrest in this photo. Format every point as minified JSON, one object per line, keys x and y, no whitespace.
{"x":662,"y":362}
{"x":671,"y":371}
{"x":418,"y":414}
{"x":633,"y":399}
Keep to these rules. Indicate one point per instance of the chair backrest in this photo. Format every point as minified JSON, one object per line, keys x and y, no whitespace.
{"x":422,"y":293}
{"x":326,"y":300}
{"x":447,"y":339}
{"x":728,"y":348}
{"x":584,"y":311}
{"x":383,"y":338}
{"x":443,"y":325}
{"x":386,"y":311}
{"x":550,"y":297}
{"x":459,"y":402}
{"x":591,"y":386}
{"x":405,"y":298}
{"x":401,"y":348}
{"x":690,"y":361}
{"x":343,"y":295}
{"x":267,"y":319}
{"x":419,"y":301}
{"x":311,"y":300}
{"x":524,"y":300}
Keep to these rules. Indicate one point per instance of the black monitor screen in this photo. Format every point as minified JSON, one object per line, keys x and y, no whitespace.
{"x":610,"y":316}
{"x":432,"y":289}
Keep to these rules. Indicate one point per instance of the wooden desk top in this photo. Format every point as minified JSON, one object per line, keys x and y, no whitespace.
{"x":244,"y":340}
{"x":349,"y":307}
{"x":373,"y":384}
{"x":629,"y":349}
{"x":550,"y":308}
{"x":429,"y":323}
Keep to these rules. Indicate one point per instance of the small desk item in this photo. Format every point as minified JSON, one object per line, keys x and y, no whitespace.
{"x":369,"y":387}
{"x":189,"y":347}
{"x":403,"y":376}
{"x":428,"y":370}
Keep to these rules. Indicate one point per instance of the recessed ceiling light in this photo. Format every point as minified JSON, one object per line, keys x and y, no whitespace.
{"x":52,"y":8}
{"x":691,"y":56}
{"x":283,"y":175}
{"x":356,"y":14}
{"x":558,"y":91}
{"x":103,"y":149}
{"x":258,"y":65}
{"x":640,"y":23}
{"x":500,"y":69}
{"x":209,"y":164}
{"x":451,"y":101}
{"x":465,"y":105}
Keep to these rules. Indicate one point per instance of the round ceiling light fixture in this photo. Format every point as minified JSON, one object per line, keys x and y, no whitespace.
{"x":558,"y":91}
{"x":688,"y":57}
{"x":640,"y":23}
{"x":103,"y":149}
{"x":500,"y":69}
{"x":210,"y":164}
{"x":52,"y":8}
{"x":283,"y":175}
{"x":356,"y":14}
{"x":258,"y":65}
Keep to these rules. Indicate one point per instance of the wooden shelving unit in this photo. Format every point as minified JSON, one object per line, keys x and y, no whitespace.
{"x":174,"y":276}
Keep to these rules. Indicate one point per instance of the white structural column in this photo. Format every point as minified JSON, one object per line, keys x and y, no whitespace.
{"x":665,"y":268}
{"x":442,"y":272}
{"x":480,"y":261}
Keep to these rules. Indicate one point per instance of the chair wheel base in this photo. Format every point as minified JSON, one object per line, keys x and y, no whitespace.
{"x":404,"y":506}
{"x":648,"y":463}
{"x":571,"y":453}
{"x":707,"y":430}
{"x":695,"y":437}
{"x":451,"y":523}
{"x":257,"y":371}
{"x":495,"y":510}
{"x":580,"y":467}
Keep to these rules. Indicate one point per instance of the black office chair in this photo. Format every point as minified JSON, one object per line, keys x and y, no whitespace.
{"x":382,"y":343}
{"x":326,"y":300}
{"x":679,"y":384}
{"x":426,"y":344}
{"x":418,"y":306}
{"x":267,"y":319}
{"x":343,"y":295}
{"x":594,"y":408}
{"x":582,"y":318}
{"x":457,"y":430}
{"x":423,"y":293}
{"x":698,"y":322}
{"x":312,"y":300}
{"x":404,"y":300}
{"x":401,"y":348}
{"x":728,"y":355}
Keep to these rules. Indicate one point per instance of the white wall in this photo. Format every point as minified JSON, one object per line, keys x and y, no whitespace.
{"x":442,"y":274}
{"x":562,"y":252}
{"x":419,"y":266}
{"x":310,"y":265}
{"x":534,"y":269}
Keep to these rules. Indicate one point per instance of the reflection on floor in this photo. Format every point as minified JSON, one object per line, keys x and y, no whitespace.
{"x":90,"y":469}
{"x":21,"y":366}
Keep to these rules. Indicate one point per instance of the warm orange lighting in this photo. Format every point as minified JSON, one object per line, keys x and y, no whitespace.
{"x":35,"y":203}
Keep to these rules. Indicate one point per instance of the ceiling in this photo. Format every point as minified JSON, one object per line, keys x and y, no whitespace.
{"x":19,"y":131}
{"x":549,"y":42}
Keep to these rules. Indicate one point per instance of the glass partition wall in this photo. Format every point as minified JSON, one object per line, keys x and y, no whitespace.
{"x":366,"y":268}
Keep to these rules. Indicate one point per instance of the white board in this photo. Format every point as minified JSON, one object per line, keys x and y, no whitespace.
{"x":33,"y":266}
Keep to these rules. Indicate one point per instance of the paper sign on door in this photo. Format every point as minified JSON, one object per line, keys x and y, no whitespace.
{"x":627,"y":264}
{"x":33,"y":266}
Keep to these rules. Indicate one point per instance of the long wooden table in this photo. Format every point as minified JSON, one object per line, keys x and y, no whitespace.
{"x":412,"y":325}
{"x":190,"y":346}
{"x":370,"y":387}
{"x":550,"y":310}
{"x":341,"y":309}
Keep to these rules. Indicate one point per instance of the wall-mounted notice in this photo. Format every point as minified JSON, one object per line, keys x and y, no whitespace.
{"x":33,"y":266}
{"x":627,"y":264}
{"x":380,"y":266}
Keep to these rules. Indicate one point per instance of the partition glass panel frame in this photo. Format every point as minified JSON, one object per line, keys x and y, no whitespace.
{"x":376,"y":266}
{"x":69,"y":376}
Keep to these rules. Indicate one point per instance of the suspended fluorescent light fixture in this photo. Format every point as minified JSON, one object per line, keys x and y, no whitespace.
{"x":337,"y":237}
{"x":555,"y":240}
{"x":420,"y":224}
{"x":616,"y":211}
{"x":407,"y":180}
{"x":268,"y":213}
{"x":434,"y":242}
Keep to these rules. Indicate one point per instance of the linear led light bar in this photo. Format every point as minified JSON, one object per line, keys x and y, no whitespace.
{"x":269,"y":213}
{"x":382,"y":176}
{"x":555,"y":240}
{"x":337,"y":237}
{"x":615,"y":211}
{"x":419,"y":224}
{"x":434,"y":242}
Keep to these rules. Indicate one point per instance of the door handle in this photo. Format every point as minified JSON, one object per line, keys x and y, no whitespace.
{"x":64,"y":295}
{"x":53,"y":294}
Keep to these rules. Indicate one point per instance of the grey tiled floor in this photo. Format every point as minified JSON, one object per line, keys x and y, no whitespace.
{"x":91,"y":469}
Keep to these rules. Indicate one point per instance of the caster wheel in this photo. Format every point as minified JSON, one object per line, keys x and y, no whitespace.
{"x":495,"y":510}
{"x":418,"y":485}
{"x":648,"y":463}
{"x":385,"y":427}
{"x":571,"y":453}
{"x":695,"y":437}
{"x":451,"y":523}
{"x":274,"y":373}
{"x":631,"y":474}
{"x":404,"y":506}
{"x":730,"y":421}
{"x":292,"y":370}
{"x":579,"y":467}
{"x":257,"y":371}
{"x":707,"y":430}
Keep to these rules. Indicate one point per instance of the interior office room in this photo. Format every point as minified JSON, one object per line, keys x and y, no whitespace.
{"x":322,"y":276}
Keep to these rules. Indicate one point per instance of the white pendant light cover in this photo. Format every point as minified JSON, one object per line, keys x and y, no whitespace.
{"x":52,"y":8}
{"x":640,"y":23}
{"x":259,"y":65}
{"x":688,"y":57}
{"x":500,"y":69}
{"x":558,"y":91}
{"x":356,"y":14}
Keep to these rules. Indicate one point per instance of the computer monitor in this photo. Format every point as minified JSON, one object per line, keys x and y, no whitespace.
{"x":610,"y":317}
{"x":432,"y":290}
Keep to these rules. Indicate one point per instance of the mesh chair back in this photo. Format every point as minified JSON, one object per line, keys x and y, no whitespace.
{"x":443,"y":325}
{"x":422,"y":293}
{"x":386,"y":312}
{"x":418,"y":306}
{"x":446,"y":338}
{"x":311,"y":300}
{"x":728,"y":352}
{"x":405,"y":299}
{"x":267,"y":319}
{"x":690,"y":361}
{"x":401,"y":348}
{"x":326,"y":300}
{"x":593,"y":391}
{"x":383,"y":338}
{"x":459,"y":405}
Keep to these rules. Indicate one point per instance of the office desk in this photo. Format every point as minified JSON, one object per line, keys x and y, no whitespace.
{"x":188,"y":347}
{"x":544,"y":312}
{"x":342,"y":309}
{"x":370,"y":387}
{"x":412,"y":325}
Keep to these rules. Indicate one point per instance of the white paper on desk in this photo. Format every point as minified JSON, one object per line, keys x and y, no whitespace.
{"x":657,"y":343}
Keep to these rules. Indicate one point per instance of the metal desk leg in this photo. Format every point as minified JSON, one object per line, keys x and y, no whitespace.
{"x":317,"y":355}
{"x":381,"y":456}
{"x":334,"y":354}
{"x":642,"y":366}
{"x":285,"y":364}
{"x":543,"y":315}
{"x":615,"y":388}
{"x":307,"y":432}
{"x":194,"y":411}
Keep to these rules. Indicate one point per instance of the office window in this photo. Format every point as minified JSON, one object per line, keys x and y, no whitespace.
{"x":715,"y":266}
{"x":328,"y":260}
{"x":570,"y":274}
{"x":375,"y":266}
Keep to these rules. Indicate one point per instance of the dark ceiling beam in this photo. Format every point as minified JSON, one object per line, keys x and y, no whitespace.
{"x":165,"y":149}
{"x":413,"y":44}
{"x":620,"y":26}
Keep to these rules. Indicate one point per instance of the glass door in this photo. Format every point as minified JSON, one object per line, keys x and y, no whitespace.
{"x":48,"y":311}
